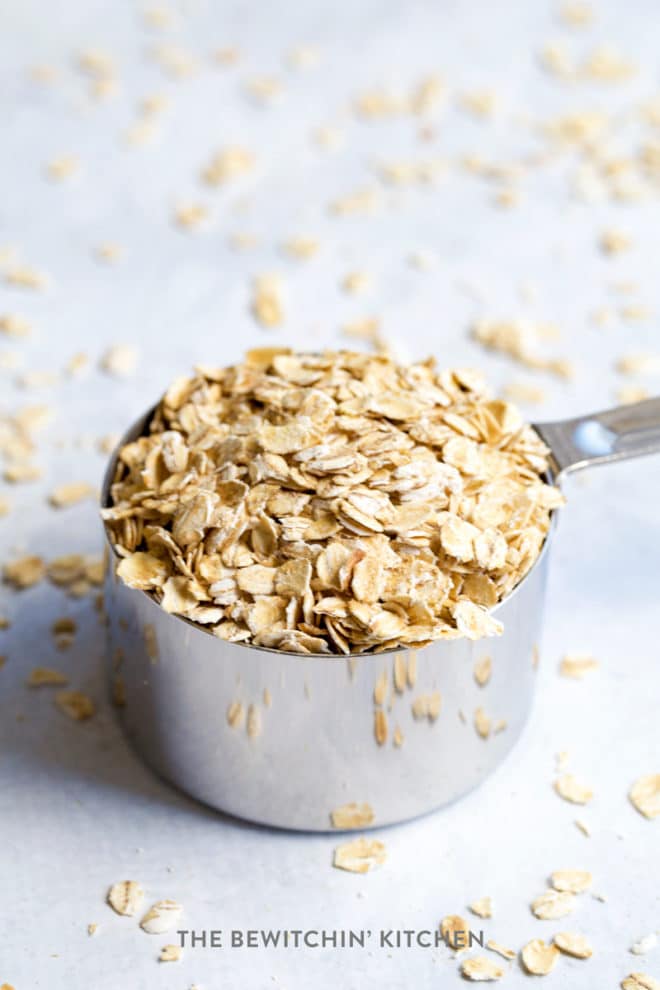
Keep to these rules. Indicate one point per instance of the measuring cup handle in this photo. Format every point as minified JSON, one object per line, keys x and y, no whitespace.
{"x":612,"y":435}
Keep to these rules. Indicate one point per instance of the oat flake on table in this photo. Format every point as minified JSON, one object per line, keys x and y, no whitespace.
{"x":331,"y":503}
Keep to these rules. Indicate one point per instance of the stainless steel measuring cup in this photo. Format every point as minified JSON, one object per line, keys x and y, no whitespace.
{"x":284,"y":739}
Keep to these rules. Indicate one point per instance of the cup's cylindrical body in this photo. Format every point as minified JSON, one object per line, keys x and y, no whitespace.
{"x":284,"y":740}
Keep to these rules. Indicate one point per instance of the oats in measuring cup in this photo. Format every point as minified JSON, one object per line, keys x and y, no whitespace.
{"x":331,"y":503}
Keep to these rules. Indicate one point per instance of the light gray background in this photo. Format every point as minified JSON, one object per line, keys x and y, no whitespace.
{"x":77,"y":810}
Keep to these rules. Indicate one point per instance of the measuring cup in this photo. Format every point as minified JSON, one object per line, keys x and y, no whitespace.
{"x":285,"y":740}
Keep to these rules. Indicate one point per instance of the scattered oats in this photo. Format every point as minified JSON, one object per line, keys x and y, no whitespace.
{"x":228,"y":164}
{"x":226,"y":56}
{"x":644,"y":944}
{"x":24,"y":572}
{"x":481,"y":969}
{"x":482,"y":671}
{"x":109,"y":251}
{"x":606,"y":64}
{"x":174,"y":61}
{"x":577,"y":665}
{"x":120,"y":360}
{"x":635,"y":312}
{"x":638,"y":364}
{"x":331,"y":503}
{"x":359,"y":855}
{"x":158,"y":17}
{"x":615,"y":241}
{"x":645,"y":795}
{"x":455,"y":932}
{"x":9,"y":360}
{"x":507,"y":197}
{"x":170,"y":953}
{"x":25,"y":278}
{"x":161,"y":917}
{"x":43,"y":73}
{"x":303,"y":57}
{"x":264,"y":89}
{"x":571,"y":789}
{"x":352,"y":815}
{"x":37,"y":379}
{"x":140,"y":133}
{"x":483,"y":908}
{"x":242,"y":241}
{"x":4,"y":622}
{"x":20,"y":472}
{"x":153,"y":104}
{"x":46,"y":677}
{"x":603,"y":316}
{"x":482,"y":723}
{"x":301,"y":247}
{"x":405,"y":173}
{"x":15,"y":326}
{"x":77,"y":364}
{"x":582,"y":825}
{"x":378,"y":103}
{"x":576,"y":13}
{"x":397,"y":738}
{"x":423,"y":261}
{"x":501,"y":950}
{"x":538,"y":958}
{"x":637,"y":981}
{"x":92,"y":928}
{"x":361,"y":201}
{"x":367,"y":328}
{"x":555,"y":58}
{"x":553,"y":904}
{"x":126,"y":897}
{"x":96,"y":63}
{"x":102,"y":89}
{"x":516,"y":338}
{"x":190,"y":216}
{"x":426,"y":95}
{"x":573,"y":881}
{"x":62,"y":167}
{"x":5,"y":506}
{"x":267,"y":301}
{"x":480,"y":103}
{"x":70,"y":494}
{"x":329,"y":138}
{"x":573,"y":945}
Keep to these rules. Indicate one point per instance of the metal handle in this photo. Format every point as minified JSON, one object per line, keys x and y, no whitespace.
{"x":612,"y":435}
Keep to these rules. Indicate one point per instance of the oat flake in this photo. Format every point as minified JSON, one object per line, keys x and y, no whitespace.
{"x":645,"y":795}
{"x":359,"y":855}
{"x":481,"y":969}
{"x":538,"y":958}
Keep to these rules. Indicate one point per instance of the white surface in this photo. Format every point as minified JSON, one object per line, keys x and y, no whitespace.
{"x":77,"y":810}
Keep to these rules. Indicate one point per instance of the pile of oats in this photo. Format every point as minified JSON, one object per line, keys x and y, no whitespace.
{"x":331,"y":503}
